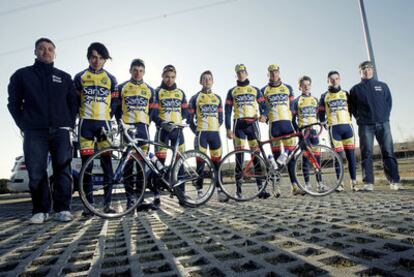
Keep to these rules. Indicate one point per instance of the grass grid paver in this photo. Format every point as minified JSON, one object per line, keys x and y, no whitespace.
{"x":343,"y":234}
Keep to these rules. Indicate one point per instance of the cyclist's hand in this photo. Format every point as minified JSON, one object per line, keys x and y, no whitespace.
{"x":230,"y":134}
{"x":263,"y":118}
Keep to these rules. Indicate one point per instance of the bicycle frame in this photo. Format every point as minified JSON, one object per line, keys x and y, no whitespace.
{"x":301,"y":145}
{"x":132,"y":145}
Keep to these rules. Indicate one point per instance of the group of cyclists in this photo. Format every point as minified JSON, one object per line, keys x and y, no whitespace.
{"x":137,"y":104}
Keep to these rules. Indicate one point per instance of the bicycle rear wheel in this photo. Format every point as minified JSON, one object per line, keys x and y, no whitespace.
{"x":321,"y":173}
{"x":243,"y":175}
{"x":194,"y":177}
{"x":111,"y":186}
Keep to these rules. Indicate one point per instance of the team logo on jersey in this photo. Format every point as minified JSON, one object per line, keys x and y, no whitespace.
{"x":56,"y":79}
{"x":308,"y":111}
{"x":278,"y":99}
{"x":208,"y":110}
{"x":171,"y":105}
{"x":337,"y":104}
{"x":88,"y":76}
{"x":244,"y":99}
{"x":136,"y":103}
{"x":104,"y":81}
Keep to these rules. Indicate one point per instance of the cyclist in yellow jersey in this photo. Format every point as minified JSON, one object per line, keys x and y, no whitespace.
{"x":136,"y":107}
{"x":171,"y":106}
{"x":97,"y":92}
{"x":246,"y":101}
{"x":334,"y":104}
{"x":206,"y":117}
{"x":279,"y":99}
{"x":305,"y":112}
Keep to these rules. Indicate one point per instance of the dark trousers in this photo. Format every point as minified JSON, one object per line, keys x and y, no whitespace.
{"x":36,"y":146}
{"x":382,"y":133}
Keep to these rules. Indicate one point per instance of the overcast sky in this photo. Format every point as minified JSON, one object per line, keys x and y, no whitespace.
{"x":302,"y":36}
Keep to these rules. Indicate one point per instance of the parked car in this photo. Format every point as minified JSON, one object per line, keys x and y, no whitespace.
{"x":19,"y":180}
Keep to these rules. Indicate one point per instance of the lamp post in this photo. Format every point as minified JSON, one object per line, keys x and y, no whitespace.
{"x":368,"y":42}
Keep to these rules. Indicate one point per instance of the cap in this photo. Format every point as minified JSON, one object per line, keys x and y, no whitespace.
{"x":168,"y":68}
{"x":366,"y":64}
{"x":240,"y":67}
{"x":272,"y":67}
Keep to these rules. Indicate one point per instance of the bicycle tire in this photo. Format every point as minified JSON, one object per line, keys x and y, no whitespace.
{"x":328,"y":177}
{"x":239,"y":188}
{"x":183,"y":168}
{"x":123,"y":195}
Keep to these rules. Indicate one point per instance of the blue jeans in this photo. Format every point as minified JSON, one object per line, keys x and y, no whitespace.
{"x":37,"y":144}
{"x":382,"y":133}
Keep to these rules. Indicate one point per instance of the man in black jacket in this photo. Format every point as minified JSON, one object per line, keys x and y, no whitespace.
{"x":370,"y":103}
{"x":43,"y":103}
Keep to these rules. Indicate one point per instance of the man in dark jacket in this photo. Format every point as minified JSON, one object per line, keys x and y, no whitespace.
{"x":371,"y":104}
{"x":43,"y":103}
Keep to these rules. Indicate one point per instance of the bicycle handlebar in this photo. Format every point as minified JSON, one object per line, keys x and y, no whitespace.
{"x":321,"y":124}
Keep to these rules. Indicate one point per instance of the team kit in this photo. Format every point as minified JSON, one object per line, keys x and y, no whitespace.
{"x":138,"y":104}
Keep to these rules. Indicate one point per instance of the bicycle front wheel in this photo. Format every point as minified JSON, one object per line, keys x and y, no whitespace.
{"x":194,"y":178}
{"x":112,"y":185}
{"x":320,"y":171}
{"x":243,"y":175}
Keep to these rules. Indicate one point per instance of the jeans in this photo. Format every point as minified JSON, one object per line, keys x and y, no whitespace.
{"x":382,"y":133}
{"x":36,"y":146}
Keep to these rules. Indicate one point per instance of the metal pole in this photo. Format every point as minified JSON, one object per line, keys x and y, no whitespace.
{"x":368,"y":42}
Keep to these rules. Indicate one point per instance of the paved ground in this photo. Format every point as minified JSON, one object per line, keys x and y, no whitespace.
{"x":346,"y":234}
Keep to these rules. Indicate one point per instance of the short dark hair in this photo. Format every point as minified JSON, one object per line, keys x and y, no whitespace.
{"x":100,"y":48}
{"x":168,"y":68}
{"x":304,"y":78}
{"x":40,"y":40}
{"x":207,"y":72}
{"x":333,"y":72}
{"x":137,"y":62}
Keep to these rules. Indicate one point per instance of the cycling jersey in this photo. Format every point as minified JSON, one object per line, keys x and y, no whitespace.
{"x":246,"y":100}
{"x":207,"y":109}
{"x":97,"y":89}
{"x":137,"y":102}
{"x":305,"y":110}
{"x":279,"y":100}
{"x":170,"y":105}
{"x":335,"y":106}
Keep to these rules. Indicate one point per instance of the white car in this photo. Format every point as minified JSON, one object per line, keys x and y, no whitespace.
{"x":19,"y":180}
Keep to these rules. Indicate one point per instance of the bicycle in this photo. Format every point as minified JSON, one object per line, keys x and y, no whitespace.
{"x":190,"y":175}
{"x":243,"y":174}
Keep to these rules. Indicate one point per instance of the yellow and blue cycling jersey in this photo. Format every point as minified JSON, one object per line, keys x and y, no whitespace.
{"x":305,"y":110}
{"x":207,"y":110}
{"x":170,"y":105}
{"x":137,"y":102}
{"x":279,"y":100}
{"x":334,"y":106}
{"x":246,"y":101}
{"x":97,"y":91}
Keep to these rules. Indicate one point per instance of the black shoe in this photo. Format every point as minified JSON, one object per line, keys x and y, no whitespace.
{"x":143,"y":207}
{"x":87,"y":213}
{"x":155,"y":206}
{"x":182,"y":204}
{"x":264,"y":195}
